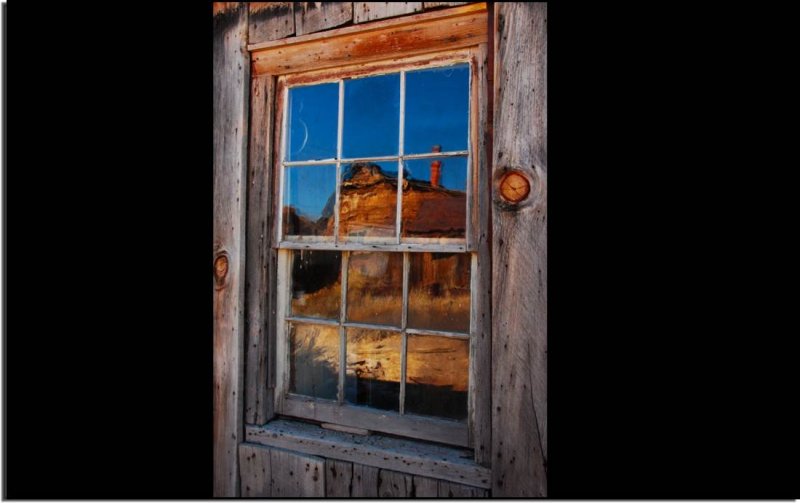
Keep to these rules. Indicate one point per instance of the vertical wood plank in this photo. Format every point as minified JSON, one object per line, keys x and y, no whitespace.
{"x":519,"y":269}
{"x":365,"y":481}
{"x":371,"y":11}
{"x":270,"y":21}
{"x":254,"y":465}
{"x":259,"y":296}
{"x":450,"y":490}
{"x":231,"y":85}
{"x":481,"y":341}
{"x":310,"y":17}
{"x":425,"y":487}
{"x":393,"y":484}
{"x":338,"y":478}
{"x":297,"y":475}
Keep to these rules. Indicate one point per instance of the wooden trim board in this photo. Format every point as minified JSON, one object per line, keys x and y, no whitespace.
{"x":411,"y":35}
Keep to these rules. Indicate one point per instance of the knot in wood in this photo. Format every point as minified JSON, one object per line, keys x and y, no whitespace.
{"x":514,"y":187}
{"x":220,"y":269}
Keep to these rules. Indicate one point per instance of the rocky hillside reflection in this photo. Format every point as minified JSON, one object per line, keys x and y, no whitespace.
{"x":368,"y":207}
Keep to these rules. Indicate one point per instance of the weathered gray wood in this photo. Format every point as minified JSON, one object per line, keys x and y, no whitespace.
{"x":370,"y":11}
{"x":231,"y":85}
{"x":365,"y":481}
{"x":425,"y":487}
{"x":338,"y":478}
{"x":296,"y":475}
{"x":408,"y":456}
{"x":393,"y":484}
{"x":310,"y":17}
{"x":259,"y":323}
{"x":270,"y":21}
{"x":425,"y":428}
{"x":435,"y":5}
{"x":481,"y":341}
{"x":254,"y":466}
{"x":519,"y":269}
{"x":448,"y":490}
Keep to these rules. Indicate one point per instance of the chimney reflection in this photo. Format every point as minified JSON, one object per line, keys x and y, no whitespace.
{"x":436,"y":168}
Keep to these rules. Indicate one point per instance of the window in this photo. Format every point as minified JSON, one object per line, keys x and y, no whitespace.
{"x":377,"y":227}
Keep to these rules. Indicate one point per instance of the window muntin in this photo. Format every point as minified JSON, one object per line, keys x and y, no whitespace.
{"x":399,"y":346}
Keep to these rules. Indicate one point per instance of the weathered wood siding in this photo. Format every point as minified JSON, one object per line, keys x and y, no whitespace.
{"x":276,"y":473}
{"x":310,"y":17}
{"x":231,"y":84}
{"x":270,"y":21}
{"x":519,"y":254}
{"x":372,"y":11}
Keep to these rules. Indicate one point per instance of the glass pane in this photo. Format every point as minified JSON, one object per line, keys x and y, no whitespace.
{"x":375,"y":287}
{"x":436,"y":379}
{"x":435,"y":198}
{"x":372,"y":375}
{"x":371,"y":116}
{"x":312,"y":122}
{"x":314,"y":360}
{"x":368,"y":205}
{"x":308,"y":198}
{"x":438,"y":295}
{"x":316,"y":283}
{"x":437,"y":109}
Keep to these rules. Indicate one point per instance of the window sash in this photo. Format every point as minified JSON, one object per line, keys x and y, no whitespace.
{"x":389,"y":243}
{"x":339,"y":411}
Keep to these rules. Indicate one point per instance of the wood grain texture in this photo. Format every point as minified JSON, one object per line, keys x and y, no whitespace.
{"x":310,"y":17}
{"x":425,"y":487}
{"x":393,"y":484}
{"x":270,"y":21}
{"x":231,"y":85}
{"x":519,"y":269}
{"x":254,"y":466}
{"x":436,"y":5}
{"x":259,"y":324}
{"x":481,"y":342}
{"x":425,"y":33}
{"x":421,"y":427}
{"x":338,"y":478}
{"x":371,"y":11}
{"x":365,"y":481}
{"x":407,"y":456}
{"x":296,"y":475}
{"x":449,"y":490}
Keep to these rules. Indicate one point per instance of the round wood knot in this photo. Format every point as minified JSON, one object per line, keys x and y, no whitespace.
{"x":514,"y":187}
{"x":220,"y":269}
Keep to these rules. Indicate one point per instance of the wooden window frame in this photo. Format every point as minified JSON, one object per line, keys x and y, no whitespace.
{"x":419,"y":41}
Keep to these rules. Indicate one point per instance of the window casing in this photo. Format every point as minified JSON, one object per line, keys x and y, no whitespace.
{"x":407,"y":253}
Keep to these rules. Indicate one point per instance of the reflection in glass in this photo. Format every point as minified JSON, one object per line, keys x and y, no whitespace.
{"x":435,"y":197}
{"x":437,"y":109}
{"x":375,"y":287}
{"x":372,"y":375}
{"x":314,"y":360}
{"x":437,"y":376}
{"x":312,"y":122}
{"x":371,"y":116}
{"x":316,"y":283}
{"x":308,"y":199}
{"x":368,"y":204}
{"x":438,"y":295}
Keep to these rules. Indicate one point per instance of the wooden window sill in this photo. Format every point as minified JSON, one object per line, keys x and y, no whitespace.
{"x":408,"y":456}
